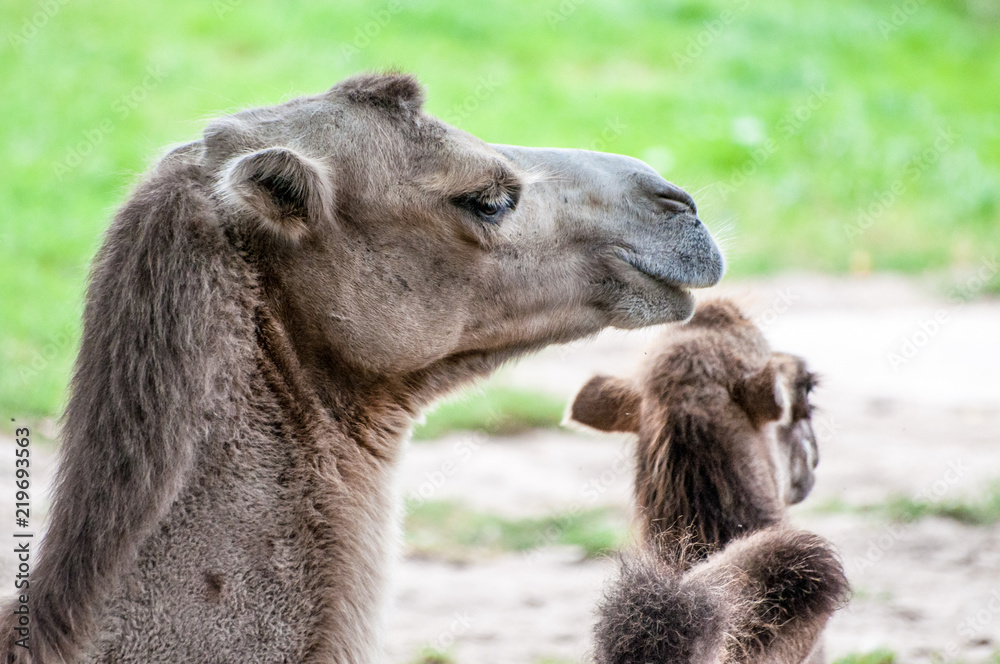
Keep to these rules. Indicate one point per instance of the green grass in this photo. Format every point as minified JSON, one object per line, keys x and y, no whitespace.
{"x":793,"y":120}
{"x":875,"y":657}
{"x":432,"y":656}
{"x":443,"y":529}
{"x":495,"y":411}
{"x":982,"y":509}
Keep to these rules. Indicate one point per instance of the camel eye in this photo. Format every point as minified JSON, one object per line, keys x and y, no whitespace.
{"x":486,"y":210}
{"x":489,"y":209}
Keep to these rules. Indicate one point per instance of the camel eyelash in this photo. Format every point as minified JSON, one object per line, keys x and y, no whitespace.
{"x":487,"y":204}
{"x":809,"y":382}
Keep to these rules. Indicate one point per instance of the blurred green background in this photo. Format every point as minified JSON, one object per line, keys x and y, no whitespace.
{"x":842,"y":136}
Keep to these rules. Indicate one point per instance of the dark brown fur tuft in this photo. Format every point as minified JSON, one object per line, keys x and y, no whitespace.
{"x":765,"y":598}
{"x":651,"y":614}
{"x":793,"y":582}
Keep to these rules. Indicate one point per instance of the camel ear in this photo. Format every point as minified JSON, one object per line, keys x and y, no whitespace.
{"x":762,"y":396}
{"x":607,"y":404}
{"x":288,"y":191}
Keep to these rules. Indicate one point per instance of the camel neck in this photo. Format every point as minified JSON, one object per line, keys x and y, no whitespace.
{"x":333,"y":400}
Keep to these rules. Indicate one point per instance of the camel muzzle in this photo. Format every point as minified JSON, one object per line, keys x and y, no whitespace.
{"x":651,"y":224}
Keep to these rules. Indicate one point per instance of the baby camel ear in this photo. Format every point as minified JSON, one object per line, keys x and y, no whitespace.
{"x":288,"y":191}
{"x":762,"y":396}
{"x":607,"y":404}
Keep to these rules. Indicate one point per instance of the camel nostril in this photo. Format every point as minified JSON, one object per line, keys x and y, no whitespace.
{"x":675,"y":199}
{"x":674,"y":205}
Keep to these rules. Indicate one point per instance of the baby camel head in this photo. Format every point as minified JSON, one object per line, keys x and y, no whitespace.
{"x":724,"y":424}
{"x":390,"y":242}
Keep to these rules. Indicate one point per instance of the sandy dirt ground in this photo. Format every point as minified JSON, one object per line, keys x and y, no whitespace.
{"x":910,"y":405}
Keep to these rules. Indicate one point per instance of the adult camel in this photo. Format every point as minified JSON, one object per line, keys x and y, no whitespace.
{"x":270,"y":310}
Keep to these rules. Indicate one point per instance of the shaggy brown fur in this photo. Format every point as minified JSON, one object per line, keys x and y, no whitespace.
{"x":724,"y":424}
{"x":764,"y":598}
{"x":269,"y":311}
{"x":725,"y":444}
{"x":651,"y":613}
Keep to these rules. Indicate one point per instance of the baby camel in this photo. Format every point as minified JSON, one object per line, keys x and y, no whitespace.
{"x":725,"y":445}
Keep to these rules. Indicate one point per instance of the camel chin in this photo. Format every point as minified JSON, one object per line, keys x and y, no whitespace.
{"x":641,"y":300}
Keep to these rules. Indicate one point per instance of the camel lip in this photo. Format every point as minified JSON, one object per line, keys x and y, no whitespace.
{"x":663,"y":283}
{"x":650,"y":271}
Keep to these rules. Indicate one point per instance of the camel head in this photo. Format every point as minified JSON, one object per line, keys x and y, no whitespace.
{"x":392,"y":243}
